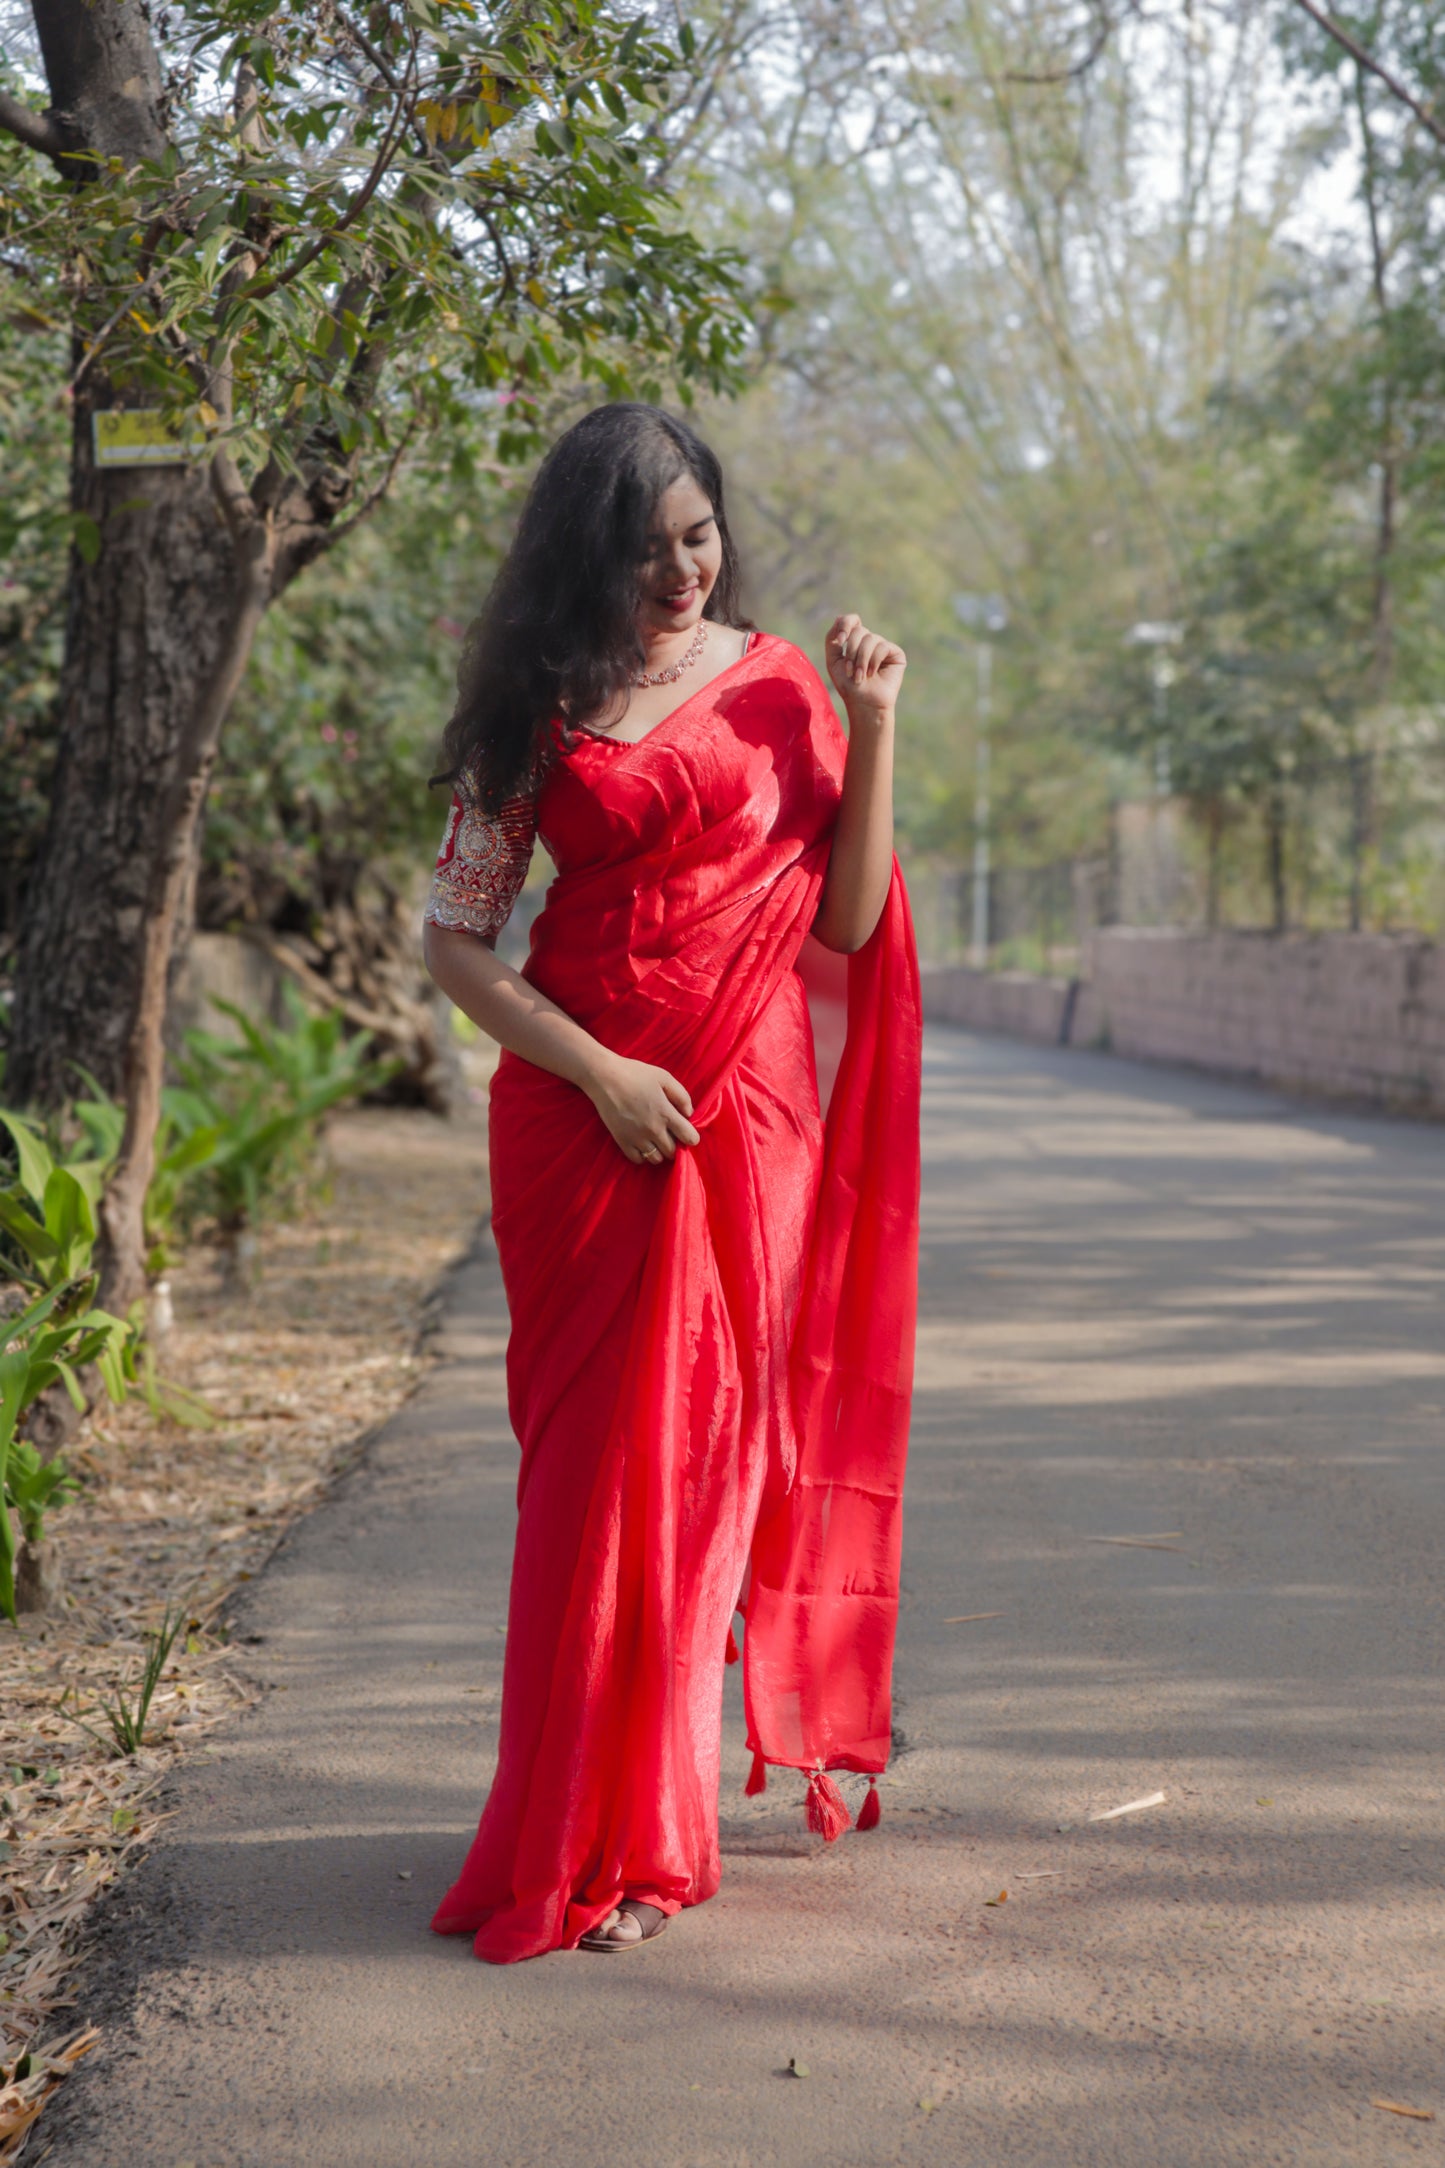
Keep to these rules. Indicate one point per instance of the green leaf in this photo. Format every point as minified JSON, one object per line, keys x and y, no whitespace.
{"x":69,"y":1221}
{"x":72,"y":1386}
{"x":33,"y":1153}
{"x":85,"y":533}
{"x":14,"y":1376}
{"x":25,"y":1230}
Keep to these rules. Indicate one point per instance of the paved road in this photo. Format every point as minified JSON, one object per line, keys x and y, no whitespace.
{"x":1151,"y":1303}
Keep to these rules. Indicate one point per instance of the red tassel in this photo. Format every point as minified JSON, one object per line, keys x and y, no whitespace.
{"x":828,"y":1814}
{"x":869,"y":1812}
{"x":757,"y":1777}
{"x":731,"y":1654}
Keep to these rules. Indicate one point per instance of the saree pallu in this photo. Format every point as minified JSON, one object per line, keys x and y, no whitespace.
{"x":710,"y":1361}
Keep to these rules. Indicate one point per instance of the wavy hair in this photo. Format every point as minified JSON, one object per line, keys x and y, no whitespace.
{"x":557,"y":637}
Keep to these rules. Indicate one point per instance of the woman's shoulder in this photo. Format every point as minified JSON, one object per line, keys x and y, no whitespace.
{"x":782,"y":653}
{"x":784,"y":660}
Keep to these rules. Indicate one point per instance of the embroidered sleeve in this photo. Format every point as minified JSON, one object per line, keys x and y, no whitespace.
{"x":481,"y":865}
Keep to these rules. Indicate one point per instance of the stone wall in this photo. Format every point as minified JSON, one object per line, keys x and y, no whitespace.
{"x":232,"y":969}
{"x":1352,"y":1015}
{"x":1019,"y":1004}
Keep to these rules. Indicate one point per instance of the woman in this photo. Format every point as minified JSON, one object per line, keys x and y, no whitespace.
{"x":711,"y":1294}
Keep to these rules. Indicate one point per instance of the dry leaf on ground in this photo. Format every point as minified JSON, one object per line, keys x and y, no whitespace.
{"x":297,"y":1371}
{"x":1130,"y":1806}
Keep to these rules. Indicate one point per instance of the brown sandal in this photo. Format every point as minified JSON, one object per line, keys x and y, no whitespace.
{"x":650,"y":1919}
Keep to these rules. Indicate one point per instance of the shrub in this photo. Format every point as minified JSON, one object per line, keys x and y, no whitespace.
{"x":263,"y":1097}
{"x":49,"y":1342}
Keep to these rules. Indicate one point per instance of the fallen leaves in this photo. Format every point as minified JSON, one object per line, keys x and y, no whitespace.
{"x":33,"y":2080}
{"x":971,"y":1618}
{"x":1396,"y":2107}
{"x":1130,"y":1806}
{"x":1167,"y":1542}
{"x":314,"y":1357}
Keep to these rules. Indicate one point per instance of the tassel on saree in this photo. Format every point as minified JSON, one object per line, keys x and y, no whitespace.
{"x":828,"y":1814}
{"x":869,"y":1812}
{"x":757,"y":1776}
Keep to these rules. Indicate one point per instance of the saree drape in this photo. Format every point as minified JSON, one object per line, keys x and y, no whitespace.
{"x":710,"y":1362}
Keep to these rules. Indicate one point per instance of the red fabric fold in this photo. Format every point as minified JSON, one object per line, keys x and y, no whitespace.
{"x":708,"y":1361}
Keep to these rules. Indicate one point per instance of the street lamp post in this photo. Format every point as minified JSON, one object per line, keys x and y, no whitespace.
{"x":1158,"y":635}
{"x":985,"y":615}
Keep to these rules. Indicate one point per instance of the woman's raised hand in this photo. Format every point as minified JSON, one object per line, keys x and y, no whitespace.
{"x":867,"y":670}
{"x":645,"y":1109}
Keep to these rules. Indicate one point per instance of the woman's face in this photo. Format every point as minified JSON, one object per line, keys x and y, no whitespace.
{"x":684,"y":557}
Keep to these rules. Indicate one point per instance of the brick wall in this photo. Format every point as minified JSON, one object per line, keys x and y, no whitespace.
{"x":1016,"y":1003}
{"x":1355,"y":1015}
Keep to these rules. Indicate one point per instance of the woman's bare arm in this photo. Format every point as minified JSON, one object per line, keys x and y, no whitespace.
{"x":642,"y":1106}
{"x":867,"y":672}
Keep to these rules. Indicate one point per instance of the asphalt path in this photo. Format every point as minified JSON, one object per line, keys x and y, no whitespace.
{"x":1154,"y":1307}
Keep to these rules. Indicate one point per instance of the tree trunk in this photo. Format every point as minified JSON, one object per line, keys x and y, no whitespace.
{"x":176,"y":830}
{"x":143,"y":631}
{"x":1362,"y":800}
{"x":1274,"y":820}
{"x":1214,"y":842}
{"x":104,"y":77}
{"x":158,"y":630}
{"x":143,"y":628}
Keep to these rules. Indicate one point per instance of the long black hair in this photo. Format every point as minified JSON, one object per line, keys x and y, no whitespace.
{"x":557,"y":637}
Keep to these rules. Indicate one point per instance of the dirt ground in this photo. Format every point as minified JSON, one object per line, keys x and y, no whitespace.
{"x":296,"y":1372}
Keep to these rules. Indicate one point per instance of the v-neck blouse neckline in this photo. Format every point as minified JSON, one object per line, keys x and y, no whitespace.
{"x":632,"y":745}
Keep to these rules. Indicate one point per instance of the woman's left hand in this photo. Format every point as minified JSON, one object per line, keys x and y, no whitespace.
{"x":867,"y":670}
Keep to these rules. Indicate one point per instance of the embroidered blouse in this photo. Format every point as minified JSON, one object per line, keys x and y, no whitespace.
{"x":483,"y":860}
{"x":481,"y":865}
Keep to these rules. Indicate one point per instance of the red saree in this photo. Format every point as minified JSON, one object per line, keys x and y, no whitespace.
{"x":710,"y":1362}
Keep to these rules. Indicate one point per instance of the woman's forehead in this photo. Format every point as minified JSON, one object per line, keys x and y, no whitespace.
{"x":682,"y":505}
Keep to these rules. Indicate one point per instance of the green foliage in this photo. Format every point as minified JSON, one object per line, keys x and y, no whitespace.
{"x":321,"y":785}
{"x":126,"y":1714}
{"x":51,"y":1340}
{"x":179,"y":1155}
{"x":33,"y":1485}
{"x":35,"y":535}
{"x":457,"y":201}
{"x":237,"y":1137}
{"x":376,"y":245}
{"x":48,"y":1213}
{"x":1056,"y":336}
{"x":262,"y":1098}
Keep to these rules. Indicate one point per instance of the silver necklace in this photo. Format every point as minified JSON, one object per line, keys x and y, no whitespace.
{"x":670,"y":677}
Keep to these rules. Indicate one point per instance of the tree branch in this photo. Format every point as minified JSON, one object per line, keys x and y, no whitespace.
{"x":372,"y":498}
{"x":128,"y":301}
{"x":1104,"y":30}
{"x":1367,"y":60}
{"x":37,"y":130}
{"x":354,"y":209}
{"x":236,"y":504}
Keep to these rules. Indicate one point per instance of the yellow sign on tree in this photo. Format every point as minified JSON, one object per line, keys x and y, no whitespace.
{"x":131,"y":437}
